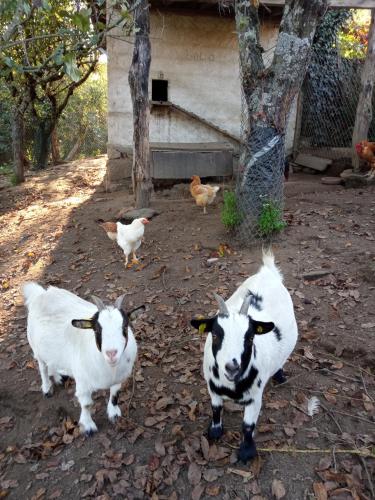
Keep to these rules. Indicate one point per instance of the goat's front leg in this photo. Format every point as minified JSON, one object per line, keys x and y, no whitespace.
{"x":113,"y":409}
{"x":87,"y":424}
{"x":248,"y":449}
{"x":216,"y":429}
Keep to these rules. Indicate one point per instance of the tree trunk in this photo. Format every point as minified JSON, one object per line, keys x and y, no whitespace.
{"x":19,"y":160}
{"x":268,"y":95}
{"x":17,"y":143}
{"x":77,"y":146}
{"x":138,"y":81}
{"x":55,"y":147}
{"x":364,"y":109}
{"x":42,"y":144}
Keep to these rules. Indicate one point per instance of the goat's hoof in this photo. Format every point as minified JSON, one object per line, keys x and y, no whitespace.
{"x":89,"y":429}
{"x":247,"y":452}
{"x":215,"y":432}
{"x":49,"y":393}
{"x":114,"y":418}
{"x":114,"y":414}
{"x":89,"y":432}
{"x":279,"y":377}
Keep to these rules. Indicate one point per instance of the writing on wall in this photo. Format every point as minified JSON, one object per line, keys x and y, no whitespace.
{"x":194,"y":55}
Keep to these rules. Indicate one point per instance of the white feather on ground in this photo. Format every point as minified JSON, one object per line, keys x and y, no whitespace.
{"x":313,"y":406}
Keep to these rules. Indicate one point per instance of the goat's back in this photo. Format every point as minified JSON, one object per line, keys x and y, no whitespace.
{"x":272,"y":302}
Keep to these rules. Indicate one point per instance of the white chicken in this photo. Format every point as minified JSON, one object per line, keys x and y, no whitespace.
{"x":128,"y":236}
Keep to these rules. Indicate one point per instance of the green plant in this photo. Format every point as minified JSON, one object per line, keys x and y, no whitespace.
{"x":230,"y":214}
{"x":5,"y":169}
{"x":270,"y":219}
{"x":14,"y":180}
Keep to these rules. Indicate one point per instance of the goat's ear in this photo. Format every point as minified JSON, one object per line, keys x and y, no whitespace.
{"x":84,"y":324}
{"x":260,"y":327}
{"x":134,"y":313}
{"x":203,"y":324}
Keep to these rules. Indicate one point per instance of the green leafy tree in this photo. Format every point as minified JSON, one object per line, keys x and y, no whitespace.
{"x":87,"y":108}
{"x":353,"y":37}
{"x":48,"y":49}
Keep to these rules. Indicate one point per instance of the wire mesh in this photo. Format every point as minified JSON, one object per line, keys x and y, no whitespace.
{"x":329,"y":100}
{"x":330,"y":96}
{"x":259,"y":177}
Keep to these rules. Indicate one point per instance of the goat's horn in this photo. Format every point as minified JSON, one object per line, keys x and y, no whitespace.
{"x":246,"y":303}
{"x":98,"y":302}
{"x":223,"y":310}
{"x":119,"y":301}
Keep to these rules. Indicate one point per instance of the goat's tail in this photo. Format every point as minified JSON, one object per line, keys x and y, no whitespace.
{"x":269,"y":262}
{"x":31,"y":290}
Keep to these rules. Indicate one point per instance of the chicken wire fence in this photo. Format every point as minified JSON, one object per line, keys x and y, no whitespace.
{"x":329,"y":101}
{"x":327,"y":107}
{"x":259,"y":176}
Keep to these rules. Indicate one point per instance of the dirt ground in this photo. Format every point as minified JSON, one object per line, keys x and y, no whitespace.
{"x":158,"y":449}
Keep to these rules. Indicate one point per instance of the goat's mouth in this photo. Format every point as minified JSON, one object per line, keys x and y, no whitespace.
{"x":234,"y":377}
{"x":112,"y":362}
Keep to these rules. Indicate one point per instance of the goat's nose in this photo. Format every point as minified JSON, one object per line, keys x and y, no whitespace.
{"x":232,"y":367}
{"x":111,"y":354}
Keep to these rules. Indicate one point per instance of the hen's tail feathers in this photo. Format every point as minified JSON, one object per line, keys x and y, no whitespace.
{"x":269,"y":262}
{"x":30,"y":291}
{"x":216,"y":188}
{"x":111,"y":229}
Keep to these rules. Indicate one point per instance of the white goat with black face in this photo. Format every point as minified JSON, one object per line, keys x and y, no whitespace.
{"x":248,"y":342}
{"x":102,"y":357}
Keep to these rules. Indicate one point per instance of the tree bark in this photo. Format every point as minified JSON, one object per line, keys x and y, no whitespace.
{"x":55,"y":147}
{"x":268,"y":95}
{"x":138,"y":81}
{"x":42,"y":144}
{"x":17,"y":143}
{"x":78,"y":144}
{"x":18,"y":114}
{"x":364,"y":108}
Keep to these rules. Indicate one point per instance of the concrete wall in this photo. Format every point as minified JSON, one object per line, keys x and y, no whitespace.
{"x":198,"y":55}
{"x":199,"y":58}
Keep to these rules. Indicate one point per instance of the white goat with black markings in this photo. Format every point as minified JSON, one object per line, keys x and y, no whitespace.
{"x":248,"y":342}
{"x":102,"y":357}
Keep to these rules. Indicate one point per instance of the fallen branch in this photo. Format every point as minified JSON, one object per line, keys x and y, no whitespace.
{"x":371,"y":485}
{"x":332,"y":417}
{"x":131,"y":394}
{"x":345,"y":362}
{"x":364,"y":452}
{"x":364,"y":387}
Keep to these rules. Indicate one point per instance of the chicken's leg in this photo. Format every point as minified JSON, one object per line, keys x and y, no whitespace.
{"x":204,"y":209}
{"x":135,"y":260}
{"x":126,"y":261}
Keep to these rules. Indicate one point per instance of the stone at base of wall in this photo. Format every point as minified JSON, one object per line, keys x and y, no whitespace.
{"x":111,"y":187}
{"x":119,"y":163}
{"x":119,"y":169}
